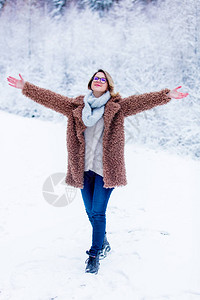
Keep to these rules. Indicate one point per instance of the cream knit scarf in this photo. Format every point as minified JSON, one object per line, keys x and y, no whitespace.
{"x":94,"y":108}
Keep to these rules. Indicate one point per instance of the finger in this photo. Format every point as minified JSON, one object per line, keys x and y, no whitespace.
{"x":182,"y":96}
{"x":178,"y":87}
{"x":12,"y":80}
{"x":20,"y":76}
{"x":12,"y":85}
{"x":10,"y":77}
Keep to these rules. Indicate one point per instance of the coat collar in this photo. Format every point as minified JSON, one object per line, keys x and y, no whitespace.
{"x":111,"y":108}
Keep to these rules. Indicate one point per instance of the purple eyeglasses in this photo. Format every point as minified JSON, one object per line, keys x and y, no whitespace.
{"x":102,"y":79}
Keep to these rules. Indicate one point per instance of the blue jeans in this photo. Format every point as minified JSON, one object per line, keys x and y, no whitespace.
{"x":95,"y":198}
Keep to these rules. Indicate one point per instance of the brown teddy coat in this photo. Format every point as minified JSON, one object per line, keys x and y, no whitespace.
{"x":116,"y":109}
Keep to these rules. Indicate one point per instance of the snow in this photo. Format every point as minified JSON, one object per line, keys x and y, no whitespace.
{"x":152,"y":223}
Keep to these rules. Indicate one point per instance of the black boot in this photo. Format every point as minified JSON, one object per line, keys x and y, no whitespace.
{"x":105,"y":248}
{"x":92,"y":263}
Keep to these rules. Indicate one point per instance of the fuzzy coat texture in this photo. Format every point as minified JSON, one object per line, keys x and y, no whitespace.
{"x":116,"y":109}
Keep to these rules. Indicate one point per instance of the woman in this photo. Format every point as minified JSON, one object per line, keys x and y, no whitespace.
{"x":95,"y":144}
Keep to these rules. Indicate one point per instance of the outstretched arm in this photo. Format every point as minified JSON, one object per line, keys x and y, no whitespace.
{"x":43,"y":96}
{"x":138,"y":103}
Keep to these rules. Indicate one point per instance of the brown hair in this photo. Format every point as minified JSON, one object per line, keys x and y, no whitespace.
{"x":109,"y":80}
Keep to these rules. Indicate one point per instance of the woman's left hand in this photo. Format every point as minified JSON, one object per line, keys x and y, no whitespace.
{"x":177,"y":95}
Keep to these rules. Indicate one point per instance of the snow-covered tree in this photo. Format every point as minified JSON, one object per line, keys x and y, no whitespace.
{"x":100,"y":4}
{"x":2,"y":2}
{"x":58,"y":7}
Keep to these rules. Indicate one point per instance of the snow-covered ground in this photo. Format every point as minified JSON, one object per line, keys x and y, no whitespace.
{"x":152,"y":224}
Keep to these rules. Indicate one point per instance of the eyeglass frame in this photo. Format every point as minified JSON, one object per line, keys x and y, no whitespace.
{"x":100,"y":79}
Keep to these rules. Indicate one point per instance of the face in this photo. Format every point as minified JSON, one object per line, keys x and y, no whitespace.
{"x":98,"y":86}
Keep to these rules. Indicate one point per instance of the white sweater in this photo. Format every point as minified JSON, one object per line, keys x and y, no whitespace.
{"x":94,"y":147}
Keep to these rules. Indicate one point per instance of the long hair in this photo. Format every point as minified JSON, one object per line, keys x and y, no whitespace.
{"x":109,"y":81}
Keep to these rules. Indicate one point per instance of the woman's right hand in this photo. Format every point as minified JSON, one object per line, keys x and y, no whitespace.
{"x":19,"y":84}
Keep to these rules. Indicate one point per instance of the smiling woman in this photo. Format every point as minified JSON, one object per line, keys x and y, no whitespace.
{"x":95,"y":144}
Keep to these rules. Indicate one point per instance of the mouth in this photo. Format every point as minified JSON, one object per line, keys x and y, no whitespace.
{"x":97,"y":84}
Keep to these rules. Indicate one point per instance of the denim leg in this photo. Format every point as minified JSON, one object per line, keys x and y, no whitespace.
{"x":95,"y":198}
{"x":101,"y":196}
{"x":87,"y":193}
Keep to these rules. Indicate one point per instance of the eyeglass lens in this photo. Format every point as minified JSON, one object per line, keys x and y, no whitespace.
{"x":102,"y":79}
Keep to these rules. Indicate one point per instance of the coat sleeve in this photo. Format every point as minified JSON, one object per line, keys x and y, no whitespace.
{"x":48,"y":98}
{"x":138,"y":103}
